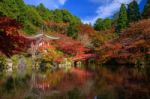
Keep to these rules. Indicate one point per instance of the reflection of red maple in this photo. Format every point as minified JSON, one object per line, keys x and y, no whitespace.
{"x":75,"y":79}
{"x":43,"y":85}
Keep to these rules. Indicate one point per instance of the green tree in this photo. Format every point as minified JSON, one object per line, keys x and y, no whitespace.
{"x":9,"y":8}
{"x":99,"y":24}
{"x":133,"y":12}
{"x":33,"y":16}
{"x":22,"y":17}
{"x":1,"y":10}
{"x":13,"y":8}
{"x":57,"y":16}
{"x":102,"y":24}
{"x":123,"y":19}
{"x":65,"y":16}
{"x":2,"y":63}
{"x":44,"y":12}
{"x":146,"y":12}
{"x":107,"y":23}
{"x":33,"y":21}
{"x":72,"y":31}
{"x":115,"y":19}
{"x":69,"y":18}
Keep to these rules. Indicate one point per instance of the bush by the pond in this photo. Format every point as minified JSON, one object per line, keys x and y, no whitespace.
{"x":9,"y":85}
{"x":2,"y":63}
{"x":74,"y":94}
{"x":43,"y":66}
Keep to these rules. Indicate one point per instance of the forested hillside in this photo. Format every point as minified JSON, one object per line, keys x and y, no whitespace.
{"x":33,"y":17}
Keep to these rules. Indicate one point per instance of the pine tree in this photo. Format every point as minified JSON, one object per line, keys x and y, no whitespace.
{"x":133,"y":11}
{"x":123,"y":19}
{"x":146,"y":12}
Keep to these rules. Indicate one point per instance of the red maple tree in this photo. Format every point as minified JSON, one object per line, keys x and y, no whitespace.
{"x":11,"y":41}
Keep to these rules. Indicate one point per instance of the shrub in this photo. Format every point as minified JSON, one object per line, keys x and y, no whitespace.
{"x":2,"y":63}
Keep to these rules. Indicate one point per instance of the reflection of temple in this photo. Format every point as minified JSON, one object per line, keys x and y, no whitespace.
{"x":40,"y":42}
{"x":39,"y":82}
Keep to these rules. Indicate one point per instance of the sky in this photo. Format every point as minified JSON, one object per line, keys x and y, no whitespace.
{"x":87,"y":10}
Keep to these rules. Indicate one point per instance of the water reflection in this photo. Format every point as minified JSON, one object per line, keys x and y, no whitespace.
{"x":76,"y":84}
{"x":21,"y":66}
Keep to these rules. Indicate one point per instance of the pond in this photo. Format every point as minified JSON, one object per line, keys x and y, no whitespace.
{"x":97,"y":83}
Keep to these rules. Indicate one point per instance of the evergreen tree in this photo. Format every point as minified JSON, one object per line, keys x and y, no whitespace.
{"x":99,"y":24}
{"x":123,"y":19}
{"x":146,"y":12}
{"x":115,"y":19}
{"x":133,"y":12}
{"x":102,"y":24}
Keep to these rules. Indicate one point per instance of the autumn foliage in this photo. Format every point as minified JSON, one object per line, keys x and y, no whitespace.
{"x":11,"y":41}
{"x":71,"y":48}
{"x":69,"y":45}
{"x":132,"y":45}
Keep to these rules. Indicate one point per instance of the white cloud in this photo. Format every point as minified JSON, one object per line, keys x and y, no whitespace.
{"x":101,"y":1}
{"x":106,"y":9}
{"x":62,"y":2}
{"x":51,"y":4}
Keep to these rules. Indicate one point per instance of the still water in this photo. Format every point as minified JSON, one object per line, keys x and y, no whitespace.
{"x":98,"y":83}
